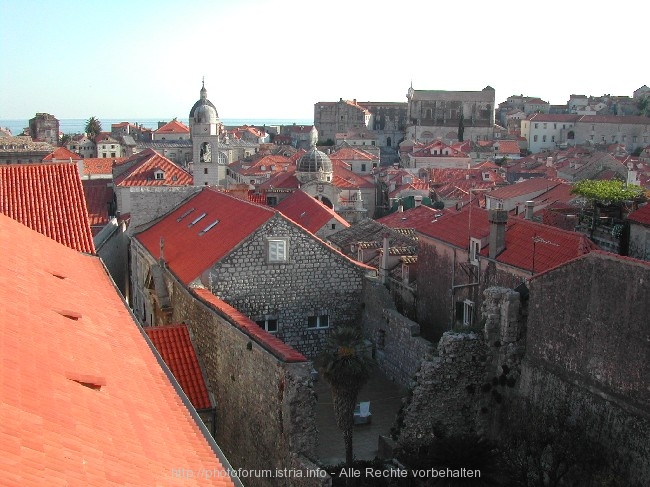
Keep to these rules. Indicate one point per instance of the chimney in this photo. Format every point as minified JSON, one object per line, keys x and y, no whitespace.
{"x":497,"y":238}
{"x":549,"y":162}
{"x":400,"y":208}
{"x":530,"y":205}
{"x":418,"y":200}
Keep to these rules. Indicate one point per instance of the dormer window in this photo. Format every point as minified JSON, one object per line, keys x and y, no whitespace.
{"x":158,"y":174}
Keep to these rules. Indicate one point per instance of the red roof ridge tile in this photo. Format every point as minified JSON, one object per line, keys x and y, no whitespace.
{"x":262,"y":337}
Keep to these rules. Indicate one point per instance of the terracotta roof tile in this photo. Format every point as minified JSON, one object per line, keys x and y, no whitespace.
{"x":237,"y":219}
{"x":84,"y":401}
{"x":142,"y":173}
{"x":553,"y":246}
{"x":94,"y":166}
{"x":308,"y":212}
{"x":642,"y":215}
{"x":175,"y":347}
{"x":61,"y":154}
{"x":523,"y":188}
{"x":48,"y":198}
{"x":173,"y":127}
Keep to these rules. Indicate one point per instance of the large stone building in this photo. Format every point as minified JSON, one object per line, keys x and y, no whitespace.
{"x":553,"y":131}
{"x":290,"y":282}
{"x":436,"y":114}
{"x":44,"y":127}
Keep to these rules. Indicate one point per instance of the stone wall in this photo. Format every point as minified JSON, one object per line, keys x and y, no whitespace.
{"x":460,"y":390}
{"x":112,"y":246}
{"x":445,"y":400}
{"x":398,"y":347}
{"x":314,"y":281}
{"x":440,"y":268}
{"x":263,"y":389}
{"x":148,"y":203}
{"x":590,"y":350}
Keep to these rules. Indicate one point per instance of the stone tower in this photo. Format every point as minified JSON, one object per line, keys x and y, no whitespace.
{"x":208,"y":164}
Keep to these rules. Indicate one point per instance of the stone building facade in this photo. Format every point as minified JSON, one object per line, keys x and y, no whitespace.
{"x":22,"y":150}
{"x":263,"y":389}
{"x":331,"y":118}
{"x":435,"y":113}
{"x":553,"y":131}
{"x":44,"y":128}
{"x":287,"y":280}
{"x":316,"y":290}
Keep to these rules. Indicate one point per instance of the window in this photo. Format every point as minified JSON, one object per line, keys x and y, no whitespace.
{"x":536,"y":125}
{"x":552,"y":138}
{"x":333,"y":226}
{"x":465,"y":312}
{"x":205,"y":170}
{"x":634,"y":139}
{"x":363,"y":168}
{"x":474,"y":250}
{"x":268,"y":324}
{"x":159,"y":175}
{"x":318,"y":321}
{"x":544,"y":124}
{"x":543,"y":138}
{"x":555,"y":126}
{"x":534,"y":138}
{"x":277,"y":250}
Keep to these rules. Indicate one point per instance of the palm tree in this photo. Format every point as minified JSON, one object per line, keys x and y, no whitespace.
{"x":346,"y":368}
{"x":93,"y":127}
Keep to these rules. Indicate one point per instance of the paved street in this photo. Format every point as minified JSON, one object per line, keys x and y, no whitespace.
{"x":385,"y":400}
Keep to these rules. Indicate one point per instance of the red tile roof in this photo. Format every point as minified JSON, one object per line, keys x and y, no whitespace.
{"x":173,"y":127}
{"x":642,"y":215}
{"x":283,"y":180}
{"x":98,"y":194}
{"x":95,"y":166}
{"x":265,"y":339}
{"x":417,"y":218}
{"x":83,"y":397}
{"x":48,"y":198}
{"x":523,"y":188}
{"x":175,"y":347}
{"x":553,"y":246}
{"x":61,"y":154}
{"x":308,"y":212}
{"x":237,"y":219}
{"x":345,"y":179}
{"x":352,"y":154}
{"x":142,"y":173}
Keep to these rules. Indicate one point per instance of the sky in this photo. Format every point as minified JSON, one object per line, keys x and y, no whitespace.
{"x":276,"y":59}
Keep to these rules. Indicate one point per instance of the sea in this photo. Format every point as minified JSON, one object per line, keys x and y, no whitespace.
{"x":77,"y":125}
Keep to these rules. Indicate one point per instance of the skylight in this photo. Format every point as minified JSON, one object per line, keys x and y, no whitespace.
{"x":184,"y":214}
{"x":207,"y":229}
{"x":196,"y":220}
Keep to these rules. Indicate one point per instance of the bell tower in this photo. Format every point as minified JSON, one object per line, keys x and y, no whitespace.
{"x":208,"y":164}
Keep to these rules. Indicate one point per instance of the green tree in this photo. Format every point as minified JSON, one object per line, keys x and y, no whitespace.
{"x":606,"y":191}
{"x":65,"y":138}
{"x":93,"y":127}
{"x":346,"y":368}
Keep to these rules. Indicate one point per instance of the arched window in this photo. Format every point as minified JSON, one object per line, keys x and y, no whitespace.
{"x":206,"y":152}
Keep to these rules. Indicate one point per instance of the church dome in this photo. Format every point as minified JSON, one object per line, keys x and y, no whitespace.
{"x":314,"y":161}
{"x":205,"y":114}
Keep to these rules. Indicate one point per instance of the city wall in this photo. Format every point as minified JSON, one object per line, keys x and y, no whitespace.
{"x":263,"y":388}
